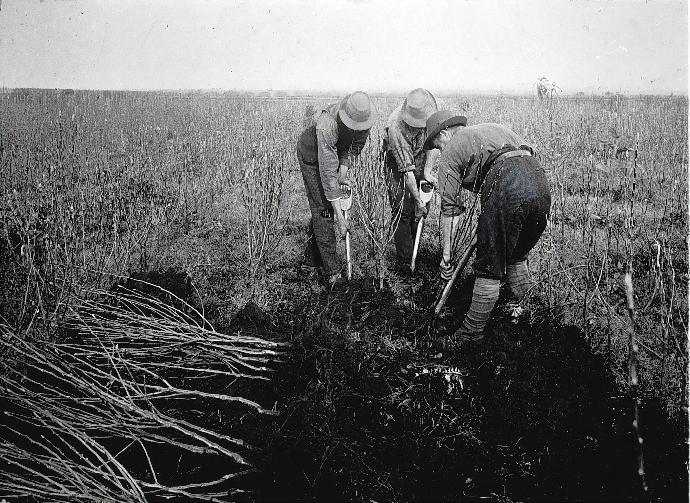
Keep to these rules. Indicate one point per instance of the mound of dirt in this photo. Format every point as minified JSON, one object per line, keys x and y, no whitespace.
{"x":252,"y":315}
{"x":369,"y":413}
{"x":173,"y":287}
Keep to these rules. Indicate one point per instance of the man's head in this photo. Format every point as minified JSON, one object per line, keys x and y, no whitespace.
{"x":419,"y":104}
{"x":440,"y":127}
{"x":356,"y":111}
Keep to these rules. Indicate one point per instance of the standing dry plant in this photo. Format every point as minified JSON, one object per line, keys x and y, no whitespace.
{"x":372,"y":180}
{"x":264,"y":205}
{"x":633,"y":347}
{"x":104,"y":181}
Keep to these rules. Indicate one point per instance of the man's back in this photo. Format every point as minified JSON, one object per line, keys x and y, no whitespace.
{"x":480,"y":138}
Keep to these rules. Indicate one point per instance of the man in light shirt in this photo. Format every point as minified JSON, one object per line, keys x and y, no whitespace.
{"x":409,"y":163}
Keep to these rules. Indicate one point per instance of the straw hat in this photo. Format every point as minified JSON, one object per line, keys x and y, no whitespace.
{"x":417,"y":107}
{"x":356,"y":111}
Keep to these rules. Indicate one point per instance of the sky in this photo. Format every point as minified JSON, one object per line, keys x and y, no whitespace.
{"x":482,"y":46}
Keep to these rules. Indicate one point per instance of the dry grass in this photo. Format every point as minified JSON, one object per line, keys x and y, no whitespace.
{"x":101,"y":184}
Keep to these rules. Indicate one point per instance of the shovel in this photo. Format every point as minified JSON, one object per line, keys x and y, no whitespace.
{"x":426,"y":192}
{"x":461,"y":265}
{"x":345,"y":205}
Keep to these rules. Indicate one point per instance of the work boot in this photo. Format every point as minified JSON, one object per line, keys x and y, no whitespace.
{"x":456,"y":342}
{"x":461,"y":341}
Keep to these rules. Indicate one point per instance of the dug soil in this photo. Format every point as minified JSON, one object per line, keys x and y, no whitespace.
{"x":372,"y":411}
{"x":371,"y":408}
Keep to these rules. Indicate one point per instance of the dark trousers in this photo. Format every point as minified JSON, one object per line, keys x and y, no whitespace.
{"x":516,"y":200}
{"x":409,"y":217}
{"x":321,"y":246}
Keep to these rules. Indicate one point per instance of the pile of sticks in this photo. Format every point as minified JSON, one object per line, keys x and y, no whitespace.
{"x":129,"y":358}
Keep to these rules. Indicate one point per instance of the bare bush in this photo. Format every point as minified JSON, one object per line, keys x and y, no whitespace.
{"x":265,"y":208}
{"x":372,"y":180}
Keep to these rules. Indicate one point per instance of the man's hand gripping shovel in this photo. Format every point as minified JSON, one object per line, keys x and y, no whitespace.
{"x":426,"y":192}
{"x":456,"y":272}
{"x":345,"y":205}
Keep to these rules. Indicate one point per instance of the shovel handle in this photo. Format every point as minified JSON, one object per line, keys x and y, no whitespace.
{"x":461,"y":265}
{"x":417,"y":238}
{"x":347,"y":251}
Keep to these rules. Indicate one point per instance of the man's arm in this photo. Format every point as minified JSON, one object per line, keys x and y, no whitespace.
{"x":326,"y":139}
{"x":431,"y":167}
{"x":411,"y":186}
{"x":402,"y":153}
{"x":450,"y":186}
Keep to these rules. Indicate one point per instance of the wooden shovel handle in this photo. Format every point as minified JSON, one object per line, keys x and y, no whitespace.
{"x":461,"y":265}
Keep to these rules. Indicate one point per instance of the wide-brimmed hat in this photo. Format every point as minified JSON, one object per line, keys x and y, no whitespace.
{"x":417,"y":107}
{"x":356,"y":111}
{"x":439,"y":121}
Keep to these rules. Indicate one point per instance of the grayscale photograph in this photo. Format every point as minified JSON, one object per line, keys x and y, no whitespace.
{"x":344,"y":250}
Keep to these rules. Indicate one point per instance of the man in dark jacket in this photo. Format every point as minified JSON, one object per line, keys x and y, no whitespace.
{"x":491,"y":160}
{"x":333,"y":136}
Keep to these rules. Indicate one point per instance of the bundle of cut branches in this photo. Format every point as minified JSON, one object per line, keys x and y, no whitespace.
{"x":118,"y":389}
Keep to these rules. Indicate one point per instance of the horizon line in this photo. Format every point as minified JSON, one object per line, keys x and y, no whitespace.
{"x":335,"y":92}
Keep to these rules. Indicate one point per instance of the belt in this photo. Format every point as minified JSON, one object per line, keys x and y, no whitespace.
{"x":512,"y":153}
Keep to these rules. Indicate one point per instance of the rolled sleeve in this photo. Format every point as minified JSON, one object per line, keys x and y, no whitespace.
{"x":326,"y":139}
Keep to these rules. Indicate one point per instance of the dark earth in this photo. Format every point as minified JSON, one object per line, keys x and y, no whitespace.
{"x":371,"y":408}
{"x":538,"y":416}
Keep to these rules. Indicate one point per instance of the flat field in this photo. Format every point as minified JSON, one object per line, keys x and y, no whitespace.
{"x":201,"y":194}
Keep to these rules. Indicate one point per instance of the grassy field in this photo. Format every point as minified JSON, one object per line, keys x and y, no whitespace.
{"x":98,"y":187}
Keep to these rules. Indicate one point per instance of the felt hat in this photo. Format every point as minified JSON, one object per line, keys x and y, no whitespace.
{"x":439,"y":121}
